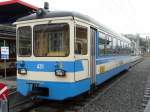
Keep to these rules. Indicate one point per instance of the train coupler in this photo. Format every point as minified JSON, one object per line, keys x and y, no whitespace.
{"x":37,"y":91}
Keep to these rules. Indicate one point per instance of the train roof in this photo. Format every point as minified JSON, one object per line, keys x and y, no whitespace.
{"x":52,"y":14}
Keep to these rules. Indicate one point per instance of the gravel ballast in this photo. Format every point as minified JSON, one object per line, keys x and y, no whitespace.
{"x":127,"y":94}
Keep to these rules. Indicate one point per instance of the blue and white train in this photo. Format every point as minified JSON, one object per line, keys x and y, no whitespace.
{"x":64,"y":54}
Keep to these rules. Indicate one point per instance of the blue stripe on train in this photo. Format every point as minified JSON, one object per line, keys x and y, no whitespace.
{"x":51,"y":66}
{"x":63,"y":90}
{"x":68,"y":66}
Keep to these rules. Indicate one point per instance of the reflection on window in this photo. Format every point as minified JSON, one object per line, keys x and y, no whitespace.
{"x":81,"y":40}
{"x":51,"y":40}
{"x":24,"y":36}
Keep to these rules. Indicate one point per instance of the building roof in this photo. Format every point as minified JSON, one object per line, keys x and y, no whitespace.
{"x":11,"y":10}
{"x":7,"y":32}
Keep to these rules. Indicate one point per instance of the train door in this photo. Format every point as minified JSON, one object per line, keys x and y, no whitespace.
{"x":93,"y":56}
{"x":81,"y":51}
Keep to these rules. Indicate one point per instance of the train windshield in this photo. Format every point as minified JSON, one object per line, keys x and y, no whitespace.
{"x":51,"y":40}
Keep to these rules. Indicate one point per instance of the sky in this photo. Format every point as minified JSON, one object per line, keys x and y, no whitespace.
{"x":123,"y":16}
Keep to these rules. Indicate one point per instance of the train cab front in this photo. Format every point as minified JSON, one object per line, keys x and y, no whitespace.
{"x":52,"y":55}
{"x":46,"y":65}
{"x":44,"y":62}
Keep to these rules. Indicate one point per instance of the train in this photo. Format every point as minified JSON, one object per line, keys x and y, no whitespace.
{"x":62,"y":54}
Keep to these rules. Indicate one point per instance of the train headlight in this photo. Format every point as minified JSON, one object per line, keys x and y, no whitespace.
{"x":60,"y":72}
{"x":22,"y":71}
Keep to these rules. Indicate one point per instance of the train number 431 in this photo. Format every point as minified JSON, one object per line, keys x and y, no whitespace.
{"x":40,"y":66}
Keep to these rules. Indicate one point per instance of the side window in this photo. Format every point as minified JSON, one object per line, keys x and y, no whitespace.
{"x":102,"y":44}
{"x":81,"y":40}
{"x":108,"y":45}
{"x":114,"y":45}
{"x":124,"y":52}
{"x":119,"y":44}
{"x":126,"y":48}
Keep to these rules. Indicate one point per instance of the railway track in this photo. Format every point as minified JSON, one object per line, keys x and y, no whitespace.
{"x":146,"y":97}
{"x":18,"y":102}
{"x":77,"y":104}
{"x":17,"y":105}
{"x":12,"y":91}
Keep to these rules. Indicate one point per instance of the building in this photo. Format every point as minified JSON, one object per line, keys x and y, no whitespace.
{"x":136,"y":46}
{"x":146,"y":36}
{"x":10,"y":11}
